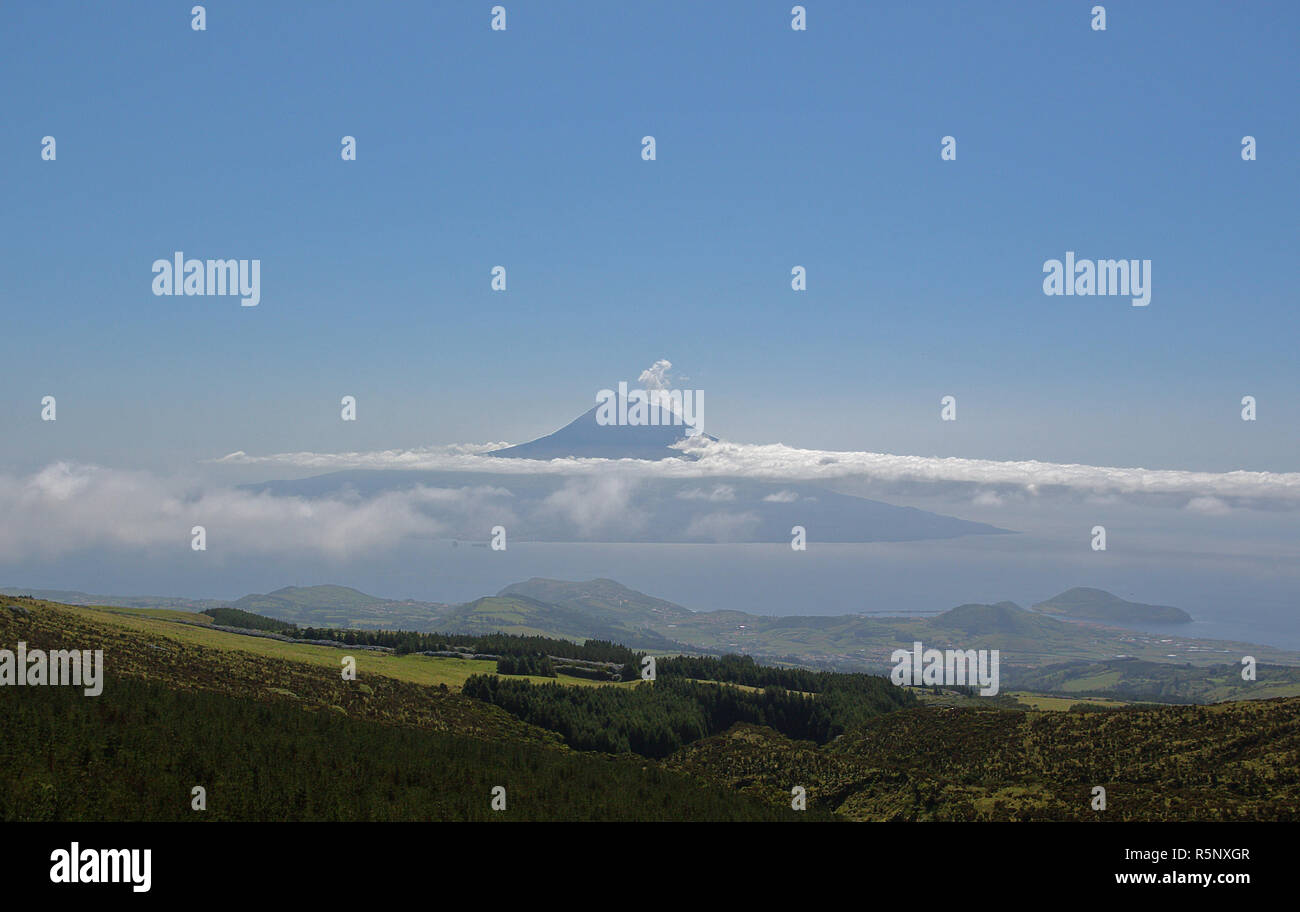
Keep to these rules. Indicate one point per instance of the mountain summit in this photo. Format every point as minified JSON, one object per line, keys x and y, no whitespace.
{"x":586,"y":436}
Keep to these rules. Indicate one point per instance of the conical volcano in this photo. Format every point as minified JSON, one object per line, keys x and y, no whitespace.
{"x":613,"y":430}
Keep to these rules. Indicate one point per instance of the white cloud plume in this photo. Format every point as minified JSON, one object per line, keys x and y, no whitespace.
{"x":656,"y":376}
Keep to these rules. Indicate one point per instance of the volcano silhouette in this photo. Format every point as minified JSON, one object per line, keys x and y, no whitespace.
{"x":585,"y":436}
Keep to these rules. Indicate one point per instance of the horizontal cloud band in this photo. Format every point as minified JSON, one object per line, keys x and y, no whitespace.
{"x":777,"y":462}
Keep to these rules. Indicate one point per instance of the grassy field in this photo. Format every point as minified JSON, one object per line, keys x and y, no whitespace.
{"x":415,"y":669}
{"x":1095,"y":682}
{"x":162,"y":614}
{"x":1059,"y":704}
{"x":1135,"y":681}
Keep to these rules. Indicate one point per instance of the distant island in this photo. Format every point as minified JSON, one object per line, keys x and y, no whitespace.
{"x":1099,"y":605}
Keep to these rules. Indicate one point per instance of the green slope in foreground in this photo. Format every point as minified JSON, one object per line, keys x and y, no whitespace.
{"x":1229,"y":761}
{"x":281,"y":736}
{"x":274,"y":739}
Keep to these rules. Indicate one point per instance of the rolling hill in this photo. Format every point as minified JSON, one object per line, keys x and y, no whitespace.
{"x":602,"y":600}
{"x":519,"y":614}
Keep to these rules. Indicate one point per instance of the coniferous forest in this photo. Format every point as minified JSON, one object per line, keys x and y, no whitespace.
{"x":136,"y":752}
{"x":656,"y":719}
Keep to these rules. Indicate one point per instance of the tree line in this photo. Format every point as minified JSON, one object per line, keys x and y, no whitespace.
{"x":403,"y":642}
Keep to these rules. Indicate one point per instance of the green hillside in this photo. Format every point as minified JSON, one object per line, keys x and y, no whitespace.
{"x":524,"y":615}
{"x":1233,"y":761}
{"x":274,"y":738}
{"x":601,"y":599}
{"x":273,"y":731}
{"x":136,"y":752}
{"x":1136,"y":681}
{"x":1005,"y":619}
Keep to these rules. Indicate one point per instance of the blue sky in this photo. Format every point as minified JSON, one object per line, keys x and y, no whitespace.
{"x":775,"y":148}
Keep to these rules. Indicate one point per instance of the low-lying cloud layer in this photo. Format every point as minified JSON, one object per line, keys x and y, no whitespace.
{"x":777,"y":462}
{"x":67,"y":507}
